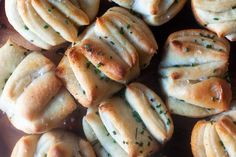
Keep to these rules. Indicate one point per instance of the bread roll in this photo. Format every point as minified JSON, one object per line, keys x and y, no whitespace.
{"x":54,"y":143}
{"x":84,"y":80}
{"x":216,"y":137}
{"x":47,"y":23}
{"x":154,"y":12}
{"x":134,"y":125}
{"x":109,"y":52}
{"x":193,"y":72}
{"x":121,"y":41}
{"x":30,"y":92}
{"x":16,"y":21}
{"x":217,"y":16}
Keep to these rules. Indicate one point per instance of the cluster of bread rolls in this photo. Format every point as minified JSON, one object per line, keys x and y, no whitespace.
{"x":217,"y":16}
{"x":55,"y":143}
{"x":193,"y":72}
{"x":215,"y":137}
{"x":154,"y":12}
{"x":135,"y":124}
{"x":109,"y":53}
{"x":104,"y":58}
{"x":30,"y":92}
{"x":47,"y":23}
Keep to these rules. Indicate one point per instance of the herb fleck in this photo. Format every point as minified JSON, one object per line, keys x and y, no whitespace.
{"x":208,"y":46}
{"x":26,"y":28}
{"x":100,"y":64}
{"x":88,"y":47}
{"x":46,"y":26}
{"x":137,"y":117}
{"x":122,"y":31}
{"x":88,"y":64}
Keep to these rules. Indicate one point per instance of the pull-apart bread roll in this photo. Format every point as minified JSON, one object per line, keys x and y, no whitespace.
{"x":30,"y":93}
{"x":215,"y":138}
{"x":47,"y":23}
{"x":56,"y":143}
{"x":135,"y":125}
{"x":154,"y":12}
{"x":111,"y":50}
{"x":193,"y":73}
{"x":218,"y":16}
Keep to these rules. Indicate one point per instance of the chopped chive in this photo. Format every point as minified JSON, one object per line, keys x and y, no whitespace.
{"x":168,"y":121}
{"x":66,"y":21}
{"x":112,"y":42}
{"x":88,"y":47}
{"x":208,"y":46}
{"x":88,"y":64}
{"x":46,"y":26}
{"x":100,"y":64}
{"x":122,"y":31}
{"x":26,"y":28}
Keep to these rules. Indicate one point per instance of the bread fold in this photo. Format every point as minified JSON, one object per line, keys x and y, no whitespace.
{"x":54,"y":143}
{"x":217,"y":16}
{"x":135,"y":124}
{"x":49,"y":23}
{"x":31,"y":93}
{"x":193,"y":73}
{"x":215,"y":137}
{"x":154,"y":12}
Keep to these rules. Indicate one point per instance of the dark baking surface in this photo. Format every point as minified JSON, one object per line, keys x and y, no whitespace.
{"x":178,"y":146}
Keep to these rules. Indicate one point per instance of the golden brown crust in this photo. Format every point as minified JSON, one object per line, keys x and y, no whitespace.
{"x":56,"y":143}
{"x":18,"y":24}
{"x":25,"y":146}
{"x":84,"y":81}
{"x":75,"y":14}
{"x":121,"y":47}
{"x":138,"y":122}
{"x":152,"y":111}
{"x":45,"y":23}
{"x":195,"y":62}
{"x":36,"y":24}
{"x":97,"y":134}
{"x":115,"y":69}
{"x":32,"y":93}
{"x":154,"y":12}
{"x":115,"y":114}
{"x":215,"y":137}
{"x":197,"y":139}
{"x":57,"y":20}
{"x":218,"y":17}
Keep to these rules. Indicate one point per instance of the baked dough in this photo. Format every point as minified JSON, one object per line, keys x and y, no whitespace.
{"x":36,"y":24}
{"x":217,"y":16}
{"x":216,"y":137}
{"x":109,"y":52}
{"x":98,"y":136}
{"x":31,"y":93}
{"x":56,"y":143}
{"x":84,"y":80}
{"x":193,"y":69}
{"x":18,"y":24}
{"x":120,"y":43}
{"x":136,"y":124}
{"x":154,"y":12}
{"x":47,"y":23}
